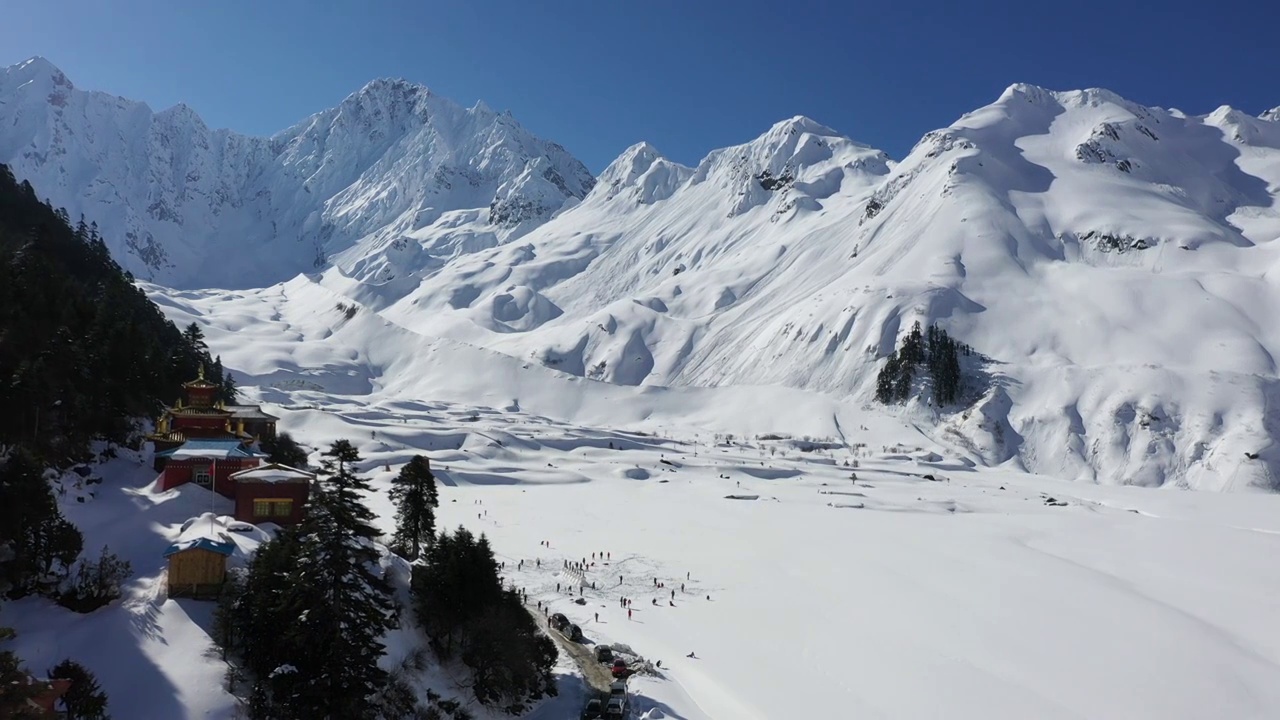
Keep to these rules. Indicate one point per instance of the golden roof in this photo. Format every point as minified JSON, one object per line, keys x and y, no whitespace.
{"x":199,"y":382}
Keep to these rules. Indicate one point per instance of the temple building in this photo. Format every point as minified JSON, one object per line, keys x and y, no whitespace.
{"x":204,"y":416}
{"x":215,"y":446}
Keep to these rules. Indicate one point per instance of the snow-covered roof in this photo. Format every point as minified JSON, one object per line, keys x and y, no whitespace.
{"x":273,"y":473}
{"x":218,"y":546}
{"x":213,"y":449}
{"x":249,"y":412}
{"x":206,"y":532}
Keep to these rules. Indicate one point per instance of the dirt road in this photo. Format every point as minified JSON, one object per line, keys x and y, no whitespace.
{"x":596,"y":673}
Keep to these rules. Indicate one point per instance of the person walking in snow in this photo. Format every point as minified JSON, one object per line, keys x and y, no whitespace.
{"x":597,"y":617}
{"x":628,"y":613}
{"x":673,"y":594}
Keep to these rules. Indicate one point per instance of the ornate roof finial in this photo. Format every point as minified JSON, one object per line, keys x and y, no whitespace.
{"x":200,"y":374}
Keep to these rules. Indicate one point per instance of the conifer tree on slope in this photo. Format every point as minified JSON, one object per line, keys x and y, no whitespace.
{"x":416,"y":497}
{"x":343,"y":607}
{"x":85,"y":699}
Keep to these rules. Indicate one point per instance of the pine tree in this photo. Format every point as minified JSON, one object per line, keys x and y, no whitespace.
{"x":343,"y":607}
{"x":85,"y":700}
{"x":285,"y":450}
{"x":902,"y":384}
{"x":230,"y":392}
{"x":259,"y":617}
{"x":194,"y":338}
{"x":460,"y":603}
{"x":885,"y":379}
{"x":416,"y":497}
{"x":457,"y":579}
{"x":913,"y":346}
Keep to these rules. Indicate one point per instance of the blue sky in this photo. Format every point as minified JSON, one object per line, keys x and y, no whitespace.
{"x":686,"y":75}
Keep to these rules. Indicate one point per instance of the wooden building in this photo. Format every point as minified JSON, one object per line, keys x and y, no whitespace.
{"x":271,"y":493}
{"x":198,"y":564}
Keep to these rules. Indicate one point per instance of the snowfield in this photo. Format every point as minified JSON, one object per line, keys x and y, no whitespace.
{"x":983,"y":593}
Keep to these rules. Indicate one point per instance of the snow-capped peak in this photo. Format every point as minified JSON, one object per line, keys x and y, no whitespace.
{"x":795,"y":153}
{"x":35,"y":68}
{"x":36,"y":75}
{"x":642,"y":175}
{"x":1272,"y":115}
{"x":196,"y":207}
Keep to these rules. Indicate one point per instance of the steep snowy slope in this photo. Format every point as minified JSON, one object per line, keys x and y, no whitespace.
{"x":193,"y":207}
{"x":1114,"y":263}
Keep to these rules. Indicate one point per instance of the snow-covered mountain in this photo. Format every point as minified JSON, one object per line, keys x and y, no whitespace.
{"x":1114,"y":266}
{"x":188,"y":206}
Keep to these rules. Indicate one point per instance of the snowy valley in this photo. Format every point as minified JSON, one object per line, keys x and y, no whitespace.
{"x":603,"y":361}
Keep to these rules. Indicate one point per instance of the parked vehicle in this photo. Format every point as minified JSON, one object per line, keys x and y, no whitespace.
{"x":620,"y":668}
{"x":615,"y":708}
{"x":559,"y":621}
{"x":594,"y":709}
{"x":604,"y":654}
{"x":618,"y":688}
{"x":573,"y":632}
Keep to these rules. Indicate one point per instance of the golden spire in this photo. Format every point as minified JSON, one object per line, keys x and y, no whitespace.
{"x":200,"y":373}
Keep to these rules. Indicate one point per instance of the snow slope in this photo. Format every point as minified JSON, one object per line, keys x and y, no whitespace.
{"x":188,"y":206}
{"x":1113,"y":265}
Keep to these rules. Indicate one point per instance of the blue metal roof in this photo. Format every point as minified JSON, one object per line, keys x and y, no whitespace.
{"x":222,"y":548}
{"x":210,"y":448}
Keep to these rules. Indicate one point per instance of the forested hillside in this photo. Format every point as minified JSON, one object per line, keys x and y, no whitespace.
{"x":82,"y":351}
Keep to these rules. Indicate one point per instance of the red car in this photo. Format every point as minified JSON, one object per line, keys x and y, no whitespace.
{"x":620,"y":668}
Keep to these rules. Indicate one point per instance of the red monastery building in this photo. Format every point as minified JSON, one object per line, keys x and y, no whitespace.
{"x":214,"y":446}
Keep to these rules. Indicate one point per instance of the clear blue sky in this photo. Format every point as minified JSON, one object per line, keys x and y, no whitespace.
{"x":686,"y":75}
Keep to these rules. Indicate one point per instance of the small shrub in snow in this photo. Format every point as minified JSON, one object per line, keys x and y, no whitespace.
{"x":96,"y":582}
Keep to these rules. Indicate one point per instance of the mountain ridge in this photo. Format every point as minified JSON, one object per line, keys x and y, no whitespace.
{"x":173,"y":194}
{"x":1111,"y":264}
